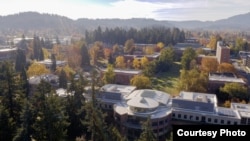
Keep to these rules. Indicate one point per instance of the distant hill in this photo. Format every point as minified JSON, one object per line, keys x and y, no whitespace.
{"x":235,"y":23}
{"x":49,"y":23}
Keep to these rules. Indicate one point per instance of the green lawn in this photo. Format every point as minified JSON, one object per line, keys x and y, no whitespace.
{"x":167,"y":81}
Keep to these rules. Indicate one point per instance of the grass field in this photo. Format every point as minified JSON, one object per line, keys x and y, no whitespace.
{"x":167,"y":81}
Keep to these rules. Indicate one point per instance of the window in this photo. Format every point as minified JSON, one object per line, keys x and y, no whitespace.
{"x":173,"y":115}
{"x":161,"y":122}
{"x":215,"y":120}
{"x":197,"y":118}
{"x":222,"y":121}
{"x":179,"y":115}
{"x":235,"y":123}
{"x":191,"y":117}
{"x":185,"y":116}
{"x":154,"y":124}
{"x":228,"y":122}
{"x":166,"y":120}
{"x":209,"y":119}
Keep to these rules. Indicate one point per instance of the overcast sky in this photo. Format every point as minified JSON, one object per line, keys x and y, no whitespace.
{"x":178,"y":10}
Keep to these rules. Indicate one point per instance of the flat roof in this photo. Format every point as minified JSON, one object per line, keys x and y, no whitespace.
{"x":226,"y":77}
{"x":7,"y":49}
{"x":199,"y":97}
{"x":126,"y":71}
{"x":159,"y":96}
{"x":62,"y":92}
{"x":49,"y":62}
{"x":124,"y":89}
{"x":161,"y":111}
{"x":47,"y":77}
{"x":244,"y":109}
{"x":143,"y":102}
{"x":228,"y":112}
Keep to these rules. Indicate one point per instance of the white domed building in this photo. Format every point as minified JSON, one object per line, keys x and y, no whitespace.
{"x":138,"y":106}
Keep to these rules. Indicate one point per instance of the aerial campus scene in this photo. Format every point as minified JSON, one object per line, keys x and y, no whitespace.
{"x":124,"y":70}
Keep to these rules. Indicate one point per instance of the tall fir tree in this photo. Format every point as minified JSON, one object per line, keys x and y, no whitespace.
{"x":20,"y":60}
{"x":85,"y":56}
{"x":53,"y":65}
{"x":95,"y":118}
{"x":63,"y":82}
{"x":50,"y":119}
{"x":74,"y":104}
{"x":147,"y":132}
{"x":11,"y":98}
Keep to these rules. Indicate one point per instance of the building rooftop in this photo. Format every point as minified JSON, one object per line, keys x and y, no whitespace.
{"x":244,"y":109}
{"x":198,"y":97}
{"x":225,"y":77}
{"x":155,"y":55}
{"x":123,"y":89}
{"x":161,"y":97}
{"x":222,"y":45}
{"x":186,"y":45}
{"x":7,"y":49}
{"x":143,"y":102}
{"x":51,"y":78}
{"x":62,"y":92}
{"x":49,"y":62}
{"x":228,"y":112}
{"x":125,"y":71}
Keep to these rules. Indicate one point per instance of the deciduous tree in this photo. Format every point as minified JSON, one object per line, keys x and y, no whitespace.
{"x":144,"y":61}
{"x":188,"y":55}
{"x":235,"y":90}
{"x":129,"y":46}
{"x":141,"y":82}
{"x":226,"y":67}
{"x":209,"y":64}
{"x":136,"y":63}
{"x":120,"y":62}
{"x":36,"y":69}
{"x":109,"y":75}
{"x":193,"y":80}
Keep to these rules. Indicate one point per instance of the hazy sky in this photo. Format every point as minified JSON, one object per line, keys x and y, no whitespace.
{"x":178,"y":10}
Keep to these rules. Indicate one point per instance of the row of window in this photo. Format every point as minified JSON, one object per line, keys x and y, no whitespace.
{"x":203,"y":119}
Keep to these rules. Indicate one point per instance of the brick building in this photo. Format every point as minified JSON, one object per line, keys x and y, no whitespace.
{"x":222,"y":53}
{"x":123,"y":76}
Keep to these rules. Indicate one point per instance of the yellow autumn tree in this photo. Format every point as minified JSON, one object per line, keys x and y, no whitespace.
{"x":37,"y":69}
{"x":136,"y":63}
{"x":209,"y":64}
{"x":149,"y":50}
{"x":120,"y":62}
{"x":144,"y":62}
{"x":141,"y":82}
{"x":160,"y":45}
{"x":226,"y":67}
{"x":67,"y":69}
{"x":46,"y":54}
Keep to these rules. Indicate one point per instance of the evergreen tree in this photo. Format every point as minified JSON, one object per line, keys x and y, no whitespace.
{"x":50,"y":120}
{"x":95,"y":118}
{"x":147,"y":134}
{"x":23,"y":44}
{"x":24,"y":132}
{"x":63,"y":79}
{"x":111,"y":59}
{"x":74,"y":108}
{"x":37,"y":48}
{"x":53,"y":60}
{"x":20,"y":63}
{"x":85,"y":56}
{"x":11,"y":98}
